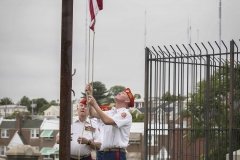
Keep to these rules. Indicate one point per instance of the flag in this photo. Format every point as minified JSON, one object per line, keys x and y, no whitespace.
{"x":94,"y":7}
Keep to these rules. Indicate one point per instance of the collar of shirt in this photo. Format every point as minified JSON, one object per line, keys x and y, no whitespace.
{"x":114,"y":111}
{"x":87,"y":120}
{"x":121,"y":110}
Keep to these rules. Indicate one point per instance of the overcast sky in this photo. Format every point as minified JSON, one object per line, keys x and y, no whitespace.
{"x":30,"y":40}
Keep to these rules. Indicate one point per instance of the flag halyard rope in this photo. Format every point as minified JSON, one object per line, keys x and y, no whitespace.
{"x":94,"y":7}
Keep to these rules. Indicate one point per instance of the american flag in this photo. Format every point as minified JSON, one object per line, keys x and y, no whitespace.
{"x":94,"y":7}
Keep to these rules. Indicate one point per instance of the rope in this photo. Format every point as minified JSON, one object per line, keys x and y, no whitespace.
{"x":92,"y":84}
{"x":86,"y":30}
{"x":81,"y":140}
{"x":89,"y":56}
{"x":87,"y":74}
{"x":87,"y":71}
{"x":93,"y":56}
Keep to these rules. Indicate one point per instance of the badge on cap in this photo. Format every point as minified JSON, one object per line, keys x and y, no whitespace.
{"x":130,"y":96}
{"x":83,"y":101}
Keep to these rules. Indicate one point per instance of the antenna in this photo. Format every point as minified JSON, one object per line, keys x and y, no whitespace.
{"x":189,"y":31}
{"x":145,"y":28}
{"x":220,"y":23}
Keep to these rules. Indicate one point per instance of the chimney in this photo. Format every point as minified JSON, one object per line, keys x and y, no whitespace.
{"x":18,"y":122}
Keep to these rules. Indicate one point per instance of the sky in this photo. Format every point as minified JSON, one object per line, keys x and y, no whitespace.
{"x":30,"y":40}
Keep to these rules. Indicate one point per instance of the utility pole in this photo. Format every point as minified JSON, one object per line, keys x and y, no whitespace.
{"x":66,"y":79}
{"x":33,"y":105}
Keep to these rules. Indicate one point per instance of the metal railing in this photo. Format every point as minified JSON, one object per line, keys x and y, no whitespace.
{"x":192,"y":100}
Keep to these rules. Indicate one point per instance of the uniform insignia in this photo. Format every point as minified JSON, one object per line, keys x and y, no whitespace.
{"x":123,"y":115}
{"x":89,"y":128}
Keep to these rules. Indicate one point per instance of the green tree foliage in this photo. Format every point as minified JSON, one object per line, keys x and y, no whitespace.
{"x":113,"y":91}
{"x":41,"y":105}
{"x":6,"y":101}
{"x":172,"y":98}
{"x":100,"y":93}
{"x":53,"y":103}
{"x":43,"y":108}
{"x":137,"y":96}
{"x":209,"y":108}
{"x":25,"y":101}
{"x":137,"y":117}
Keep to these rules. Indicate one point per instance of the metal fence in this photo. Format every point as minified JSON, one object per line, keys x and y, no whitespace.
{"x":192,"y":100}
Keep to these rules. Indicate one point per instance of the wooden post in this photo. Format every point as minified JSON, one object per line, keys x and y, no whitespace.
{"x":66,"y":79}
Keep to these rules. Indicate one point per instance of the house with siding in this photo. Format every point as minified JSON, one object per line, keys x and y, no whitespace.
{"x":19,"y":131}
{"x":52,"y":111}
{"x":49,"y":129}
{"x":7,"y":110}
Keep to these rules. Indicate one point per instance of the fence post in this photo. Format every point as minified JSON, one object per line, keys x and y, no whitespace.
{"x":146,"y":103}
{"x":231,"y":77}
{"x":206,"y":103}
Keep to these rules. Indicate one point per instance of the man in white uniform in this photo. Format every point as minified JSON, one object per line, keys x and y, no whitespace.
{"x":83,"y":134}
{"x":117,"y":124}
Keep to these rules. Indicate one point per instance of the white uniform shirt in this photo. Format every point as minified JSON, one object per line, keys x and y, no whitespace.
{"x":78,"y":130}
{"x":117,"y":136}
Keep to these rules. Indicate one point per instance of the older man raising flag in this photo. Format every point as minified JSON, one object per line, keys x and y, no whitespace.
{"x":117,"y":122}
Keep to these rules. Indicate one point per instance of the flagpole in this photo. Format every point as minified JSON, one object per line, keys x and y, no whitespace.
{"x":94,"y":7}
{"x":86,"y":43}
{"x":93,"y":56}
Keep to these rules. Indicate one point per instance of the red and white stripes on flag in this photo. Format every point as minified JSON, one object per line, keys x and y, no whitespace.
{"x":94,"y":7}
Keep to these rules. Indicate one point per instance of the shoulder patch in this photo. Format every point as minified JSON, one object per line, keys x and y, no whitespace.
{"x":123,"y":115}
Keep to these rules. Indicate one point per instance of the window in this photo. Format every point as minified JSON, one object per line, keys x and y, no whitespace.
{"x":2,"y":150}
{"x":47,"y":134}
{"x":34,"y":133}
{"x":4,"y":133}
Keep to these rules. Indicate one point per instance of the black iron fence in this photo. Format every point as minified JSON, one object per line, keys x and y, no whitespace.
{"x":192,"y":99}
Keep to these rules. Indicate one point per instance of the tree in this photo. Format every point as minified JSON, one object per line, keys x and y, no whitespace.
{"x":172,"y":98}
{"x":137,"y":96}
{"x":41,"y":104}
{"x":43,"y":108}
{"x":137,"y":117}
{"x":168,"y":97}
{"x":113,"y":91}
{"x":100,"y":93}
{"x":25,"y":101}
{"x":53,"y":103}
{"x":6,"y":101}
{"x":209,"y":108}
